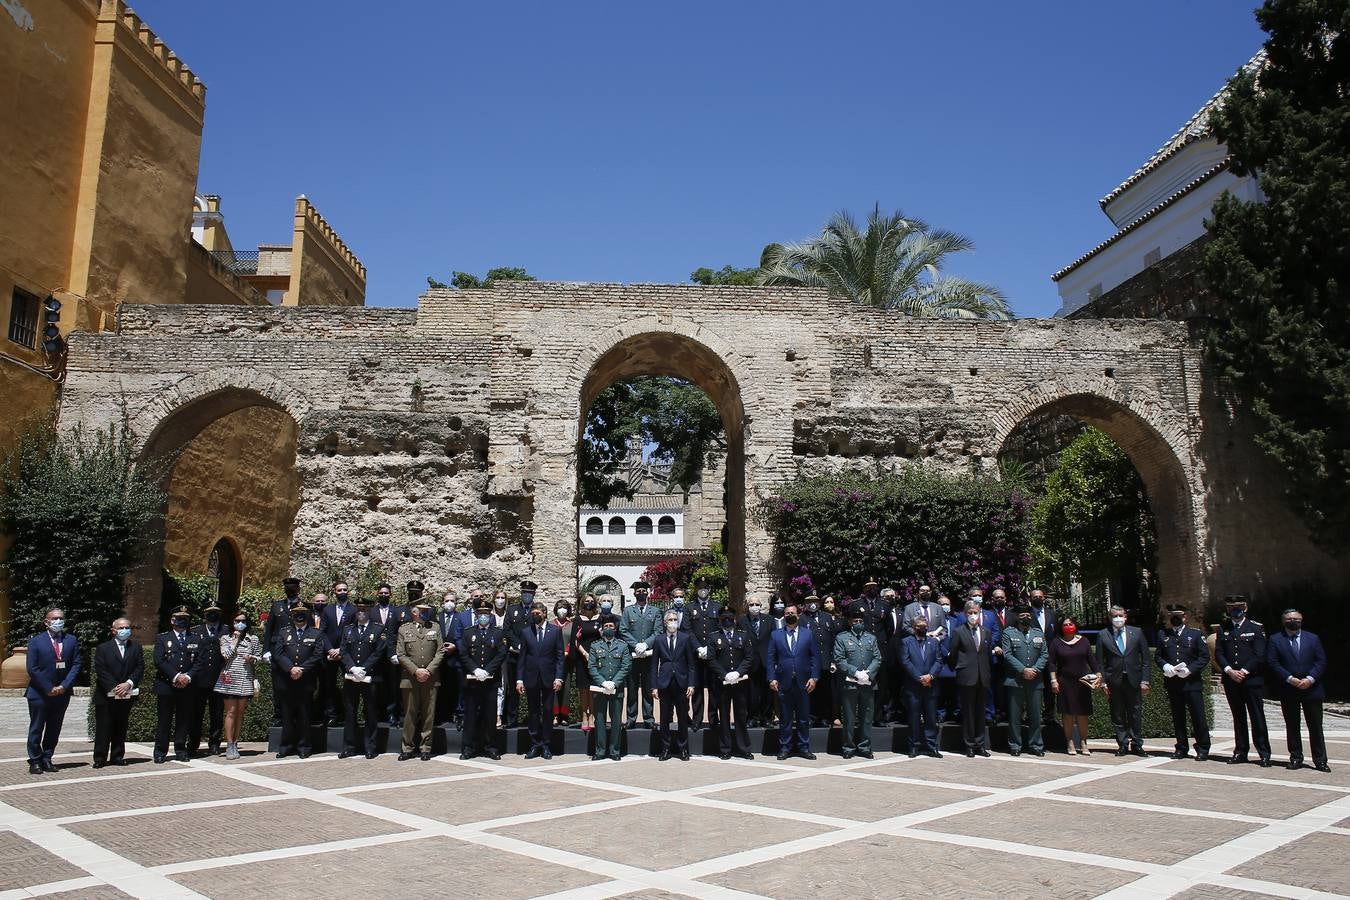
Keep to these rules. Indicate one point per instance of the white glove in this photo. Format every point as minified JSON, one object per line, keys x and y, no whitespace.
{"x":1169,"y":670}
{"x":267,"y":657}
{"x":734,"y":676}
{"x":702,"y":652}
{"x":394,"y":659}
{"x":1182,"y":670}
{"x":640,"y":648}
{"x":358,"y":672}
{"x":480,"y":674}
{"x":833,"y":668}
{"x":608,"y":686}
{"x":862,"y":677}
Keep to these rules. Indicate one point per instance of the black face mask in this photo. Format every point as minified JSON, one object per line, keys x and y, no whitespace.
{"x":1024,"y":622}
{"x":1237,"y":612}
{"x":537,"y":616}
{"x":300,"y":621}
{"x":790,"y":619}
{"x":180,"y":624}
{"x":1177,"y":619}
{"x":1037,"y":602}
{"x":342,"y":596}
{"x":1293,"y":627}
{"x":919,"y":633}
{"x":213,"y":618}
{"x":384,"y":601}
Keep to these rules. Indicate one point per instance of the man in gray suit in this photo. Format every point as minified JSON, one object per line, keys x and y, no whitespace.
{"x":1125,"y":664}
{"x":927,"y":607}
{"x":968,"y":655}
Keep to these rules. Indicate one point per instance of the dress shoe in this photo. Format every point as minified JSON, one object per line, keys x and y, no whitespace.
{"x":371,"y":755}
{"x":846,"y":754}
{"x":465,"y":754}
{"x":1322,"y":767}
{"x":98,"y":764}
{"x":1121,"y":751}
{"x":1201,"y":757}
{"x":805,"y":754}
{"x":161,"y":758}
{"x":970,"y":754}
{"x":35,"y":768}
{"x":304,"y":754}
{"x":1037,"y":752}
{"x":746,"y":755}
{"x":599,"y":757}
{"x":724,"y":756}
{"x":182,"y":757}
{"x":782,"y":755}
{"x":982,"y":752}
{"x":1014,"y":752}
{"x":346,"y":753}
{"x":1293,"y":764}
{"x":546,"y":753}
{"x":865,"y":754}
{"x":935,"y":754}
{"x":1180,"y":754}
{"x":213,"y":750}
{"x":281,"y":754}
{"x":532,"y":753}
{"x":119,"y":762}
{"x":630,"y":726}
{"x":913,"y":754}
{"x":425,"y":757}
{"x":615,"y":757}
{"x":1265,"y":762}
{"x":492,"y":754}
{"x":1139,"y":751}
{"x":404,"y":757}
{"x":665,"y":755}
{"x":684,"y":756}
{"x":1237,"y":758}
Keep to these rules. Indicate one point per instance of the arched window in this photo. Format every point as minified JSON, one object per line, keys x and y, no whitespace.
{"x":616,"y":525}
{"x":644,"y":525}
{"x":666,"y":525}
{"x":594,"y":525}
{"x":223,"y":569}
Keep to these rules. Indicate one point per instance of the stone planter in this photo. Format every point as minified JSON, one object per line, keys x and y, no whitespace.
{"x":14,"y":670}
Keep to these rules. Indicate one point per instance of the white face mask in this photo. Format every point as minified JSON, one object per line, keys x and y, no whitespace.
{"x":1117,"y":621}
{"x":499,"y":602}
{"x":449,"y":606}
{"x":672,"y":627}
{"x":973,"y":618}
{"x":946,"y":607}
{"x":703,"y":593}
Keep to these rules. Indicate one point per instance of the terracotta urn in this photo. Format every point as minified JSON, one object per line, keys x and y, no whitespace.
{"x":14,"y":670}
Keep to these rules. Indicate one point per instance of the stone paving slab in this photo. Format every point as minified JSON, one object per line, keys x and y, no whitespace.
{"x":1337,"y":777}
{"x":978,"y":772}
{"x":170,"y":837}
{"x":16,"y":773}
{"x":672,"y":775}
{"x":23,"y":863}
{"x":329,"y":773}
{"x":844,"y":797}
{"x":1251,"y":799}
{"x":98,"y":796}
{"x":1133,"y":834}
{"x":427,"y":867}
{"x":479,"y":800}
{"x":1216,"y":892}
{"x":667,"y":834}
{"x":102,"y":892}
{"x":1317,"y":861}
{"x":915,"y":868}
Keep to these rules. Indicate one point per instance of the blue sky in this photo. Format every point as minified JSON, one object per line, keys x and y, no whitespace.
{"x":608,"y":141}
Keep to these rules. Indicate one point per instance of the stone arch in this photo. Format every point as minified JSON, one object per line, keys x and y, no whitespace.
{"x":651,"y":345}
{"x":1156,"y":438}
{"x":166,"y":426}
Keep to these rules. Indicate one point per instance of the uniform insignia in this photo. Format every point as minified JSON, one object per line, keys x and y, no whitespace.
{"x":1037,"y":641}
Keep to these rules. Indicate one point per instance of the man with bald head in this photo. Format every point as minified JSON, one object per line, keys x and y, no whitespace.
{"x":119,"y":665}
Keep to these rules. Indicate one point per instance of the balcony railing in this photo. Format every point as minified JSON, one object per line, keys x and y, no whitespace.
{"x":240,"y":262}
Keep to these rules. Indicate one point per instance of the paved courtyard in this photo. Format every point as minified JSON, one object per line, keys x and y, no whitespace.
{"x":1002,"y":827}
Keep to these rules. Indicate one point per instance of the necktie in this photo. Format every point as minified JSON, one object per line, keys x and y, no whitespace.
{"x":541,"y":632}
{"x":791,"y":635}
{"x":1120,"y":640}
{"x":672,"y":645}
{"x":1295,"y":648}
{"x":975,"y":631}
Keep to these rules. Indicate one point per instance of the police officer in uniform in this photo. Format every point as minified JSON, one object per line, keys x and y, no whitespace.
{"x":483,"y":649}
{"x":181,"y":661}
{"x":419,"y":657}
{"x":857,"y":655}
{"x":1182,"y":655}
{"x":639,"y":623}
{"x":517,"y":617}
{"x":278,"y":616}
{"x":362,"y":650}
{"x":1240,"y":651}
{"x":1026,"y":655}
{"x":702,"y":618}
{"x":608,"y":667}
{"x":209,"y":703}
{"x":824,"y":626}
{"x":297,"y":660}
{"x":731,"y":657}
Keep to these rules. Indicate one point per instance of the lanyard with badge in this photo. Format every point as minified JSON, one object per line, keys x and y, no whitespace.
{"x":56,"y":648}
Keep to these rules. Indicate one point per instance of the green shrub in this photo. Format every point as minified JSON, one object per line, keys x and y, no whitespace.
{"x":1156,"y":714}
{"x":141,"y":726}
{"x":913,"y":526}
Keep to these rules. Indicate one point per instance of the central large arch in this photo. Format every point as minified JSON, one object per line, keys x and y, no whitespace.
{"x":668,"y":352}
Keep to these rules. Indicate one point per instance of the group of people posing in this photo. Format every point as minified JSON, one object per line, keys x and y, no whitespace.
{"x":876,"y":660}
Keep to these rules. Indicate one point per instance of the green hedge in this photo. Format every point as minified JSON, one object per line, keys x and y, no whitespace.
{"x":141,"y":726}
{"x":1156,"y":714}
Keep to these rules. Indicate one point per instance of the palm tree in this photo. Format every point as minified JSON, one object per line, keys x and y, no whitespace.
{"x":895,"y":264}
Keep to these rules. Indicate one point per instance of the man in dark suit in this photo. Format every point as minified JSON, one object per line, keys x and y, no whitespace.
{"x":1123,"y":652}
{"x":1297,"y":659}
{"x":208,"y":702}
{"x":517,"y":618}
{"x":278,"y":616}
{"x":539,"y":676}
{"x":1240,"y":651}
{"x":334,"y":619}
{"x":389,"y":616}
{"x":794,"y":670}
{"x":483,"y":648}
{"x":300,"y":652}
{"x":890,"y":706}
{"x":1182,"y":655}
{"x":731,"y":655}
{"x":362,"y":649}
{"x":758,"y":627}
{"x":181,"y":660}
{"x":674,"y":678}
{"x":53,"y":665}
{"x":447,"y":696}
{"x":920,"y":658}
{"x":968,"y":653}
{"x":119,"y":666}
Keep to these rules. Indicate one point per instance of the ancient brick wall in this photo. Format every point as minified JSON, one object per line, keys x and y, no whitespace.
{"x":442,"y":443}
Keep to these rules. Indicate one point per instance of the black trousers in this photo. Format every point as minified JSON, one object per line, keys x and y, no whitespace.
{"x":893,"y":701}
{"x":538,"y":714}
{"x":974,"y":731}
{"x":1127,"y":715}
{"x":761,"y":698}
{"x":822,"y":698}
{"x":1245,"y":702}
{"x":389,"y":696}
{"x":447,"y":698}
{"x":696,"y":714}
{"x":731,"y":701}
{"x":297,"y":715}
{"x":1312,"y":710}
{"x":922,"y":703}
{"x":511,"y":701}
{"x":328,"y":704}
{"x":174,"y":714}
{"x":639,"y":690}
{"x":210,"y":705}
{"x":354,"y":694}
{"x":480,"y":715}
{"x":1191,"y":701}
{"x":673,"y":701}
{"x":110,"y":729}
